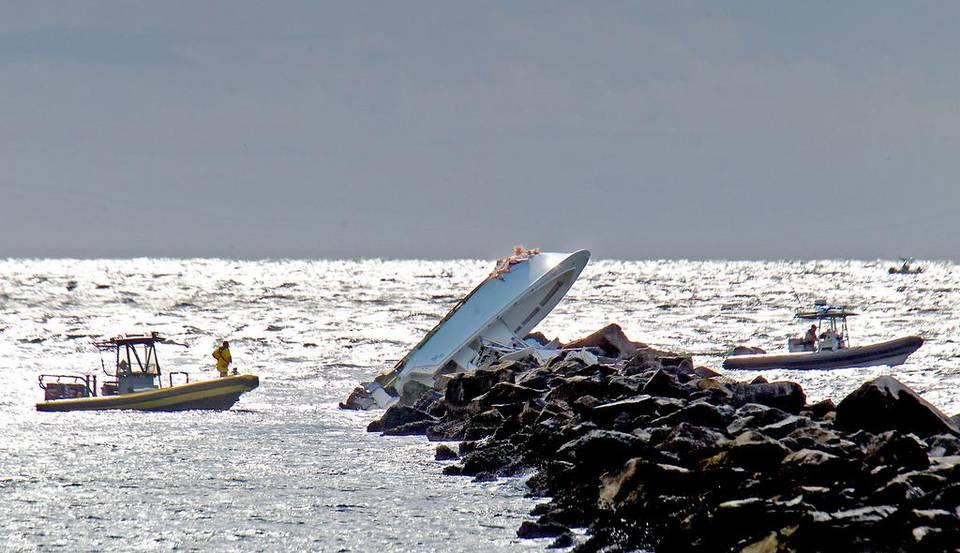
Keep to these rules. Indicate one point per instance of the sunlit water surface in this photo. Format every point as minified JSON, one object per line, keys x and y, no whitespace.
{"x":285,"y":470}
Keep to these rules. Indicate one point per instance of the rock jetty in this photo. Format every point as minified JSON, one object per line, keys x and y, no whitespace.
{"x":645,"y":452}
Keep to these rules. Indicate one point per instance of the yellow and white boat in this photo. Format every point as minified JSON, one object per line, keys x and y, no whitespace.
{"x":137,"y":383}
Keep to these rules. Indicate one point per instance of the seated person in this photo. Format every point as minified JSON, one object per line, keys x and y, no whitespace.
{"x":811,"y":336}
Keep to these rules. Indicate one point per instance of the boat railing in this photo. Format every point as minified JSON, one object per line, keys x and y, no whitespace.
{"x":185,"y":374}
{"x":61,"y":386}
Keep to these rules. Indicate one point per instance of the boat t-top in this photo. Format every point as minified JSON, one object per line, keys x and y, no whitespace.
{"x":135,"y":381}
{"x":905,"y":268}
{"x":831,"y":348}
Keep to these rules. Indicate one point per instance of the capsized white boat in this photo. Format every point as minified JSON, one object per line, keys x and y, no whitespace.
{"x":493,"y":318}
{"x":832,"y":349}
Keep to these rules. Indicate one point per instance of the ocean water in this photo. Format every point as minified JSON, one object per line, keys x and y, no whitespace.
{"x":285,"y":470}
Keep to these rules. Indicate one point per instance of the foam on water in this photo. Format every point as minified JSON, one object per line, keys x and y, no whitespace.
{"x":285,"y":470}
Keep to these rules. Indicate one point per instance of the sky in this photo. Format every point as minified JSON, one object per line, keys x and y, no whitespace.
{"x":638,"y":130}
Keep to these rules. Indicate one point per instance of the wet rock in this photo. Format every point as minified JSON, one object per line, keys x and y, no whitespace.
{"x":483,"y":424}
{"x":750,"y":450}
{"x":885,"y":403}
{"x":641,"y":362}
{"x":821,"y":408}
{"x":566,"y":539}
{"x":784,"y":427}
{"x":753,"y":416}
{"x":416,"y":428}
{"x":399,"y":415}
{"x":705,"y":372}
{"x":690,"y":443}
{"x":538,"y":379}
{"x":908,"y":486}
{"x":632,"y":407}
{"x":569,"y":389}
{"x":943,"y":445}
{"x":505,"y":393}
{"x":787,"y":396}
{"x":699,"y":413}
{"x":640,"y":480}
{"x":897,"y":450}
{"x":664,"y":384}
{"x":412,"y":391}
{"x":813,"y":466}
{"x":447,"y":430}
{"x":464,"y":387}
{"x":601,"y":448}
{"x":445,"y":453}
{"x":533,"y":530}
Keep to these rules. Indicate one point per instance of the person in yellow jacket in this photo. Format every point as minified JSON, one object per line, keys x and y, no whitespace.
{"x":222,"y":355}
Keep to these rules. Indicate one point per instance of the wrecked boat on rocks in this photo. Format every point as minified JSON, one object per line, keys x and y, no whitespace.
{"x":490,"y":322}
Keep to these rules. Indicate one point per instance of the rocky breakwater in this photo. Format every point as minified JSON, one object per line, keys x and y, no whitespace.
{"x":645,"y":452}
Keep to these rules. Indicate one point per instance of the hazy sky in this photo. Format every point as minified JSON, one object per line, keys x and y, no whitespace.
{"x":458,"y":129}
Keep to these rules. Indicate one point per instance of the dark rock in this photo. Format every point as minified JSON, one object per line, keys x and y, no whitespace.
{"x":464,"y":387}
{"x":569,"y":389}
{"x":641,"y":362}
{"x":787,"y":396}
{"x":885,"y":403}
{"x":398,"y":415}
{"x":634,"y":406}
{"x":506,"y":392}
{"x":664,"y":384}
{"x":416,"y":428}
{"x":943,"y":445}
{"x":499,"y":457}
{"x":813,"y":466}
{"x":601,"y":448}
{"x":445,"y":453}
{"x":898,"y":450}
{"x":907,"y":487}
{"x":566,"y":539}
{"x":754,"y":415}
{"x":691,"y":443}
{"x":821,"y":408}
{"x":759,"y":379}
{"x":699,"y":413}
{"x":538,"y":379}
{"x":412,"y":391}
{"x":453,"y":470}
{"x":750,"y":450}
{"x":639,"y":481}
{"x":705,"y":372}
{"x":482,"y":425}
{"x":784,"y":427}
{"x":447,"y":430}
{"x":532,"y":530}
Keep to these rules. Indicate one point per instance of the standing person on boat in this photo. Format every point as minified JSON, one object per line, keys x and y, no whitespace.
{"x":811,"y":336}
{"x":222,"y":355}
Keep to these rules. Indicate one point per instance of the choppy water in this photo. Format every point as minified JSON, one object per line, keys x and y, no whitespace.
{"x":285,"y":470}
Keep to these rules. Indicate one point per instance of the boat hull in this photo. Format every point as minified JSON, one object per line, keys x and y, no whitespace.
{"x":890,"y":353}
{"x":217,"y":394}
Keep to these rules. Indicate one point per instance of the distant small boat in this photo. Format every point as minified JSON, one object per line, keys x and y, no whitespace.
{"x":831,"y":350}
{"x":494,"y":317}
{"x":138,"y":385}
{"x":905,"y":268}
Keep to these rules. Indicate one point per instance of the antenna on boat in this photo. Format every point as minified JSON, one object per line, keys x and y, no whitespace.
{"x":797,"y":296}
